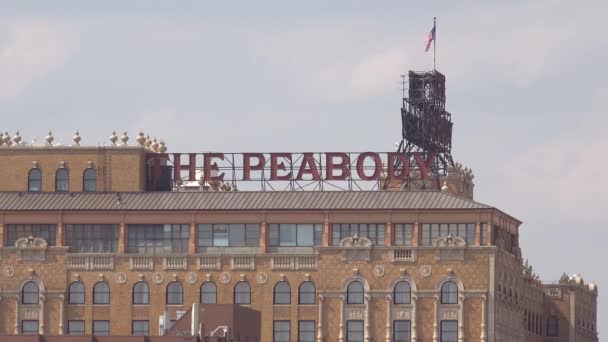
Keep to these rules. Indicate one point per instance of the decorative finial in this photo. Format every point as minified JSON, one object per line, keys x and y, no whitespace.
{"x":50,"y":138}
{"x":113,"y":138}
{"x":141,"y":139}
{"x":154,"y":145}
{"x":124,"y":138}
{"x":148,"y":142}
{"x":162,"y":148}
{"x":77,"y":138}
{"x":6,"y":139}
{"x":17,"y":138}
{"x":445,"y":187}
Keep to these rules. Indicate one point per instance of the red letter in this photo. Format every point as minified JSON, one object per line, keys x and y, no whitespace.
{"x":247,"y":167}
{"x":424,"y":166}
{"x":361,"y":166}
{"x":276,"y":167}
{"x":342,"y":166}
{"x":177,"y":167}
{"x":309,"y":160}
{"x":213,"y":167}
{"x":405,"y":163}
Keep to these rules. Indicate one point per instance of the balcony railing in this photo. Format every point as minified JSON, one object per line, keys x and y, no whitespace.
{"x":100,"y":261}
{"x":404,"y":255}
{"x":209,"y":262}
{"x":299,"y":262}
{"x":175,"y":262}
{"x":141,"y":262}
{"x":243,"y":262}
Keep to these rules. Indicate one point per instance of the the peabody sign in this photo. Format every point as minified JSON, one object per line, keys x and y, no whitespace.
{"x":292,"y":167}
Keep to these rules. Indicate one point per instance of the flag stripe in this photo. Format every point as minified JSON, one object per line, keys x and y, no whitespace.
{"x":429,"y":39}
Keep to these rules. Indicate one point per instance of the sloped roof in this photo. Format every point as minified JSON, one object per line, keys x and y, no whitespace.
{"x":239,"y":200}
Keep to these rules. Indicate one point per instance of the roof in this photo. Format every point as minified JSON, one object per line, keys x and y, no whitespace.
{"x":239,"y":200}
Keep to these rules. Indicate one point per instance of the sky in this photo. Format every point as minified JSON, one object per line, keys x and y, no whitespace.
{"x":527,"y":85}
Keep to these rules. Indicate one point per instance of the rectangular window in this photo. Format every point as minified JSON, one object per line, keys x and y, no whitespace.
{"x":430,"y":232}
{"x":92,"y":238}
{"x":306,"y":331}
{"x":228,"y":235}
{"x":403,"y":234}
{"x":158,"y":238}
{"x":295,"y":235}
{"x":101,"y":328}
{"x":141,"y":328}
{"x":29,"y":327}
{"x":374,"y":232}
{"x":16,"y":231}
{"x":482,"y":234}
{"x":280,"y":331}
{"x":76,"y":328}
{"x":354,"y":331}
{"x":402,"y":331}
{"x":449,"y":331}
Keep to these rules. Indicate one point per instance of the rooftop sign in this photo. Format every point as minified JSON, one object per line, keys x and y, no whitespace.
{"x":291,"y":171}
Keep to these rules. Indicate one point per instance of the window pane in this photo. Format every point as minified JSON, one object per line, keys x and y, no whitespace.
{"x":101,"y":328}
{"x":76,"y":293}
{"x":242,"y":293}
{"x":401,"y":331}
{"x":208,"y":293}
{"x":29,"y":293}
{"x":354,"y":293}
{"x":174,"y":293}
{"x":89,"y":238}
{"x":76,"y":328}
{"x":101,"y":293}
{"x":306,"y":235}
{"x":449,"y":331}
{"x":307,"y":293}
{"x":140,"y":328}
{"x":157,"y":238}
{"x":89,"y":182}
{"x":281,"y":331}
{"x":287,"y":235}
{"x":402,"y":293}
{"x":354,"y":331}
{"x":29,"y":327}
{"x":282,"y":293}
{"x":306,"y":331}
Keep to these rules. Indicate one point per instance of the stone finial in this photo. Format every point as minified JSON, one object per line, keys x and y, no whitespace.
{"x":154,"y":145}
{"x":17,"y":138}
{"x":76,"y":138}
{"x":141,"y":138}
{"x":124,"y":138}
{"x":6,"y":139}
{"x":148,"y":142}
{"x":445,"y":187}
{"x":162,"y":148}
{"x":113,"y":138}
{"x":50,"y":138}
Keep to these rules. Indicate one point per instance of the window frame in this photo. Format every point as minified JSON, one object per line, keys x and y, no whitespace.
{"x":238,"y":292}
{"x":431,"y":231}
{"x":86,"y":181}
{"x":97,"y":292}
{"x":202,"y":292}
{"x":30,"y":332}
{"x":175,"y":288}
{"x":48,"y":232}
{"x":275,"y":232}
{"x":313,"y":293}
{"x":280,"y":294}
{"x":553,"y":323}
{"x":408,"y":331}
{"x":397,"y":292}
{"x":158,"y":239}
{"x":442,"y":330}
{"x":350,"y":293}
{"x":274,"y":330}
{"x":349,"y":333}
{"x":74,"y":293}
{"x":140,"y":321}
{"x":146,"y":300}
{"x":209,"y":235}
{"x":341,"y":231}
{"x":97,"y":333}
{"x":25,"y":294}
{"x":30,"y":180}
{"x":446,"y":293}
{"x":92,"y":238}
{"x":65,"y":180}
{"x":403,"y":234}
{"x":300,"y":331}
{"x":80,"y":333}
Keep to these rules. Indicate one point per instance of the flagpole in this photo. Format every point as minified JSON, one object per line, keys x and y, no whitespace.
{"x":434,"y":41}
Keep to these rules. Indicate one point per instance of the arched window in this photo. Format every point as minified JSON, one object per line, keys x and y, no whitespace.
{"x":62,"y":177}
{"x":282,"y":293}
{"x":141,"y":293}
{"x":175,"y":294}
{"x":76,"y":293}
{"x":307,"y":293}
{"x":552,"y":327}
{"x":34,"y":180}
{"x":449,"y":293}
{"x":402,"y":293}
{"x":208,"y":293}
{"x":101,"y":293}
{"x":29,"y":293}
{"x":354,"y":293}
{"x":242,"y":293}
{"x":89,"y":180}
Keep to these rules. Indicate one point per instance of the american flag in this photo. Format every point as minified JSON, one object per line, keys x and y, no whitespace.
{"x":429,"y":39}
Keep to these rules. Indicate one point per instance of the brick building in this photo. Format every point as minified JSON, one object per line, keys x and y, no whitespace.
{"x":86,"y":248}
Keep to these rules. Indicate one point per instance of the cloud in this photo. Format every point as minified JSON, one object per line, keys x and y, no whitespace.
{"x":30,"y":50}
